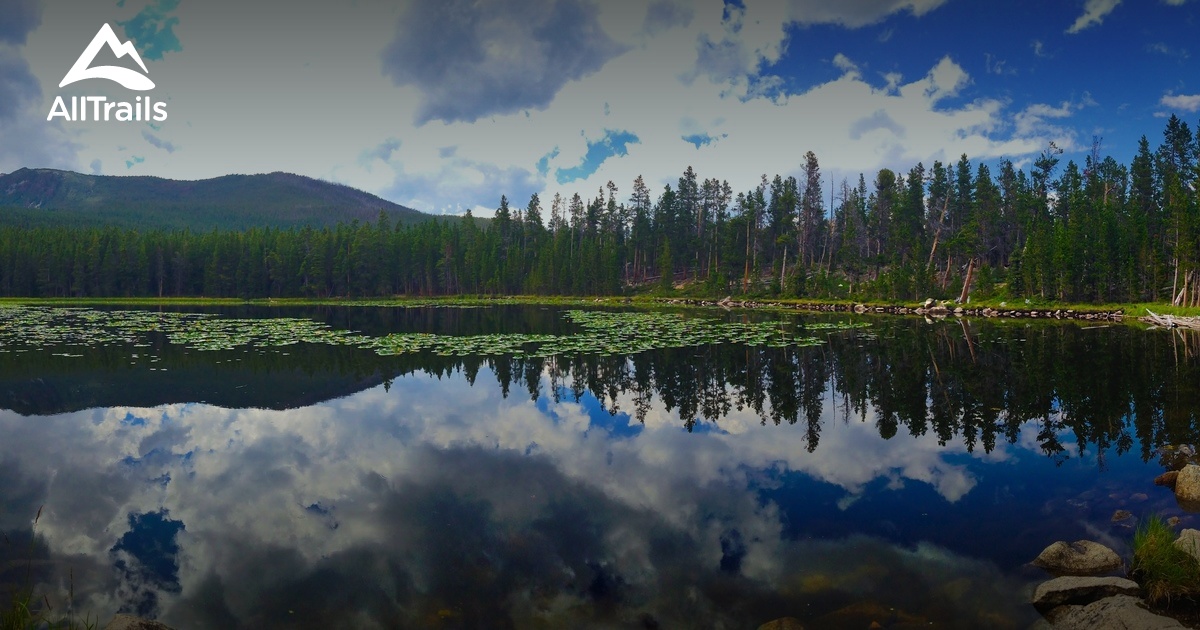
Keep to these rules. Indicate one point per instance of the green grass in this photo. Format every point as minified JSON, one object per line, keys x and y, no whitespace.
{"x":27,"y":610}
{"x":1166,"y":573}
{"x":1131,"y":310}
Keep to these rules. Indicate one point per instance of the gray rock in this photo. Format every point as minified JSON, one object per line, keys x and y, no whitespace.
{"x":1072,"y":589}
{"x":1083,"y":557}
{"x":1187,"y":488}
{"x":1120,"y":612}
{"x":130,"y":622}
{"x":1189,"y":542}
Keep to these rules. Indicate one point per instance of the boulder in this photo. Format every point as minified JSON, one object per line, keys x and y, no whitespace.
{"x":928,"y":302}
{"x":1083,"y":557}
{"x":124,"y":621}
{"x":1189,"y":542}
{"x":1072,"y":589}
{"x":1120,"y":612}
{"x":1121,"y":515}
{"x":1187,"y":488}
{"x":1167,"y":479}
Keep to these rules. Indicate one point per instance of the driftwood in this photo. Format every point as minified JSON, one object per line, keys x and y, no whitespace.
{"x":1172,"y":321}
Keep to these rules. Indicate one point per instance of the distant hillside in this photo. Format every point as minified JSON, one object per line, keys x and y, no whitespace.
{"x":34,"y":197}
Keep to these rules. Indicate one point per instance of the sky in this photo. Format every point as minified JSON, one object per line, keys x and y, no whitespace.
{"x":445,"y":105}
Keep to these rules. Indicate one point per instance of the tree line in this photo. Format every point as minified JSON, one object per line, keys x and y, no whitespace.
{"x":1100,"y":231}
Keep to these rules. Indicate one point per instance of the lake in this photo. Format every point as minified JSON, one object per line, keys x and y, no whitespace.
{"x":551,"y":467}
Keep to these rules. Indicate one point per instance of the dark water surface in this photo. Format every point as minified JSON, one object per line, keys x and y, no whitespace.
{"x":902,"y":472}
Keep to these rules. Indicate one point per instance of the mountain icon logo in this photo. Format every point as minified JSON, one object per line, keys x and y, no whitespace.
{"x":125,"y":76}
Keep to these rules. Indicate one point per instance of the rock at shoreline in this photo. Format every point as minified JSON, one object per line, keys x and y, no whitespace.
{"x":1071,"y":589}
{"x":1187,"y":488}
{"x":1120,"y":612}
{"x":1083,"y":557}
{"x":1189,"y":542}
{"x":1167,"y":479}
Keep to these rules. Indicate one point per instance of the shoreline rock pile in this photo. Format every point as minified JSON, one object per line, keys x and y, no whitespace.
{"x":1081,"y":597}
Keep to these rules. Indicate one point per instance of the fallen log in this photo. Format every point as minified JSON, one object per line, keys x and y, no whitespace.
{"x":1171,"y":321}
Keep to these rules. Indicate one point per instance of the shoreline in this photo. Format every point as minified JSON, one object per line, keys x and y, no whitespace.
{"x":1112,"y":313}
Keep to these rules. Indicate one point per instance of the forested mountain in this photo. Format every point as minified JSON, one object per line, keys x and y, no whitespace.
{"x":38,"y":197}
{"x":1100,"y":231}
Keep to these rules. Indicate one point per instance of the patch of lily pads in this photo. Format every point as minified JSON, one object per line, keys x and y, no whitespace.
{"x":604,"y":333}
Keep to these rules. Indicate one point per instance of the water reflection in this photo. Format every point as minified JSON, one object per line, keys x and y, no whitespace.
{"x":1108,"y":387}
{"x":602,"y":492}
{"x":434,"y":503}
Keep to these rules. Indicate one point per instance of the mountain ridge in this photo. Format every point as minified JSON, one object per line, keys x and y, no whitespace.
{"x":35,"y":197}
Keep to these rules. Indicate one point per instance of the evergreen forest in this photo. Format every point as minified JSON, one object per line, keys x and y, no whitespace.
{"x":1101,"y":231}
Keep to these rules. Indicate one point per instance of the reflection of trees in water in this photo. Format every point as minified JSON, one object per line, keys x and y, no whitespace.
{"x":981,"y":382}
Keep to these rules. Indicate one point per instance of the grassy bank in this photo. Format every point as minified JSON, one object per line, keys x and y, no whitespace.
{"x":1131,"y":310}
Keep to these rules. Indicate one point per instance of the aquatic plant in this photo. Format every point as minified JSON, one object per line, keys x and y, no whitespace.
{"x":604,"y":333}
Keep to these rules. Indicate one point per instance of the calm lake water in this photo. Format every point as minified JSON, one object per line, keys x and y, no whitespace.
{"x":903,"y":472}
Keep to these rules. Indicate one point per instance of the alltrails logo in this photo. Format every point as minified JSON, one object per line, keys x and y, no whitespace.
{"x":141,"y":109}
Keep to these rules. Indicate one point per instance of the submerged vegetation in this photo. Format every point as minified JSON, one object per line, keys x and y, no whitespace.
{"x":1099,"y":231}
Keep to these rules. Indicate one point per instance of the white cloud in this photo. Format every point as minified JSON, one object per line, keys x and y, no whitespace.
{"x":686,"y":70}
{"x":474,"y":59}
{"x":843,"y":63}
{"x":1094,"y":12}
{"x":1183,"y":102}
{"x":1038,"y":121}
{"x":856,"y":13}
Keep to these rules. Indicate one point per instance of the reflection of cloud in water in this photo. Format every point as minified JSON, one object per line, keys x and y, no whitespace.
{"x":851,"y":453}
{"x":451,"y":501}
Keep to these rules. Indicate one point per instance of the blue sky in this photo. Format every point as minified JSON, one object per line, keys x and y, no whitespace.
{"x":446,"y":105}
